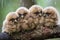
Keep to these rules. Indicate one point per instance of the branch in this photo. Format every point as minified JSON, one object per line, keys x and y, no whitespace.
{"x":55,"y":33}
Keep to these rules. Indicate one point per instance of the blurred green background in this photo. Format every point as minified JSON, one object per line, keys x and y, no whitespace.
{"x":7,"y":6}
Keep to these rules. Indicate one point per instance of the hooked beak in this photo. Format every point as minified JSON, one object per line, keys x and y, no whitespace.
{"x":40,"y":14}
{"x":15,"y":21}
{"x":22,"y":16}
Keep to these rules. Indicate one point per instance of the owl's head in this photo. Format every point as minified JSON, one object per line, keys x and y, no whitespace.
{"x":12,"y":16}
{"x":36,"y":10}
{"x":50,"y":15}
{"x":22,"y":11}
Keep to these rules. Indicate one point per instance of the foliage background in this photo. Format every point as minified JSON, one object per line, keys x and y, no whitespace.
{"x":7,"y":6}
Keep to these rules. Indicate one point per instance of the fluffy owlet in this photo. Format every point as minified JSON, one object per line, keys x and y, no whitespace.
{"x":36,"y":15}
{"x":51,"y":17}
{"x":23,"y":13}
{"x":9,"y":24}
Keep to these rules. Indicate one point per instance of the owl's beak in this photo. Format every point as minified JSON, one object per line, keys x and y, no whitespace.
{"x":40,"y":14}
{"x":15,"y":21}
{"x":22,"y":16}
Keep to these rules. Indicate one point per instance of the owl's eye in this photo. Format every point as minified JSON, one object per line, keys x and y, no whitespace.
{"x":24,"y":14}
{"x":40,"y":11}
{"x":19,"y":15}
{"x":47,"y":14}
{"x":36,"y":13}
{"x":12,"y":19}
{"x":17,"y":18}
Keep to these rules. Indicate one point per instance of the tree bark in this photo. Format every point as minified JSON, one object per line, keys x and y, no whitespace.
{"x":54,"y":34}
{"x":27,"y":3}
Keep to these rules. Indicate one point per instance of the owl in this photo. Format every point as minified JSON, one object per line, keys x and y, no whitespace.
{"x":36,"y":15}
{"x":51,"y":17}
{"x":9,"y":24}
{"x":24,"y":14}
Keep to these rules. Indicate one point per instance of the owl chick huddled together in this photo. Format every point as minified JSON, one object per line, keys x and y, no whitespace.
{"x":9,"y":24}
{"x":36,"y":15}
{"x":51,"y":17}
{"x":30,"y":23}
